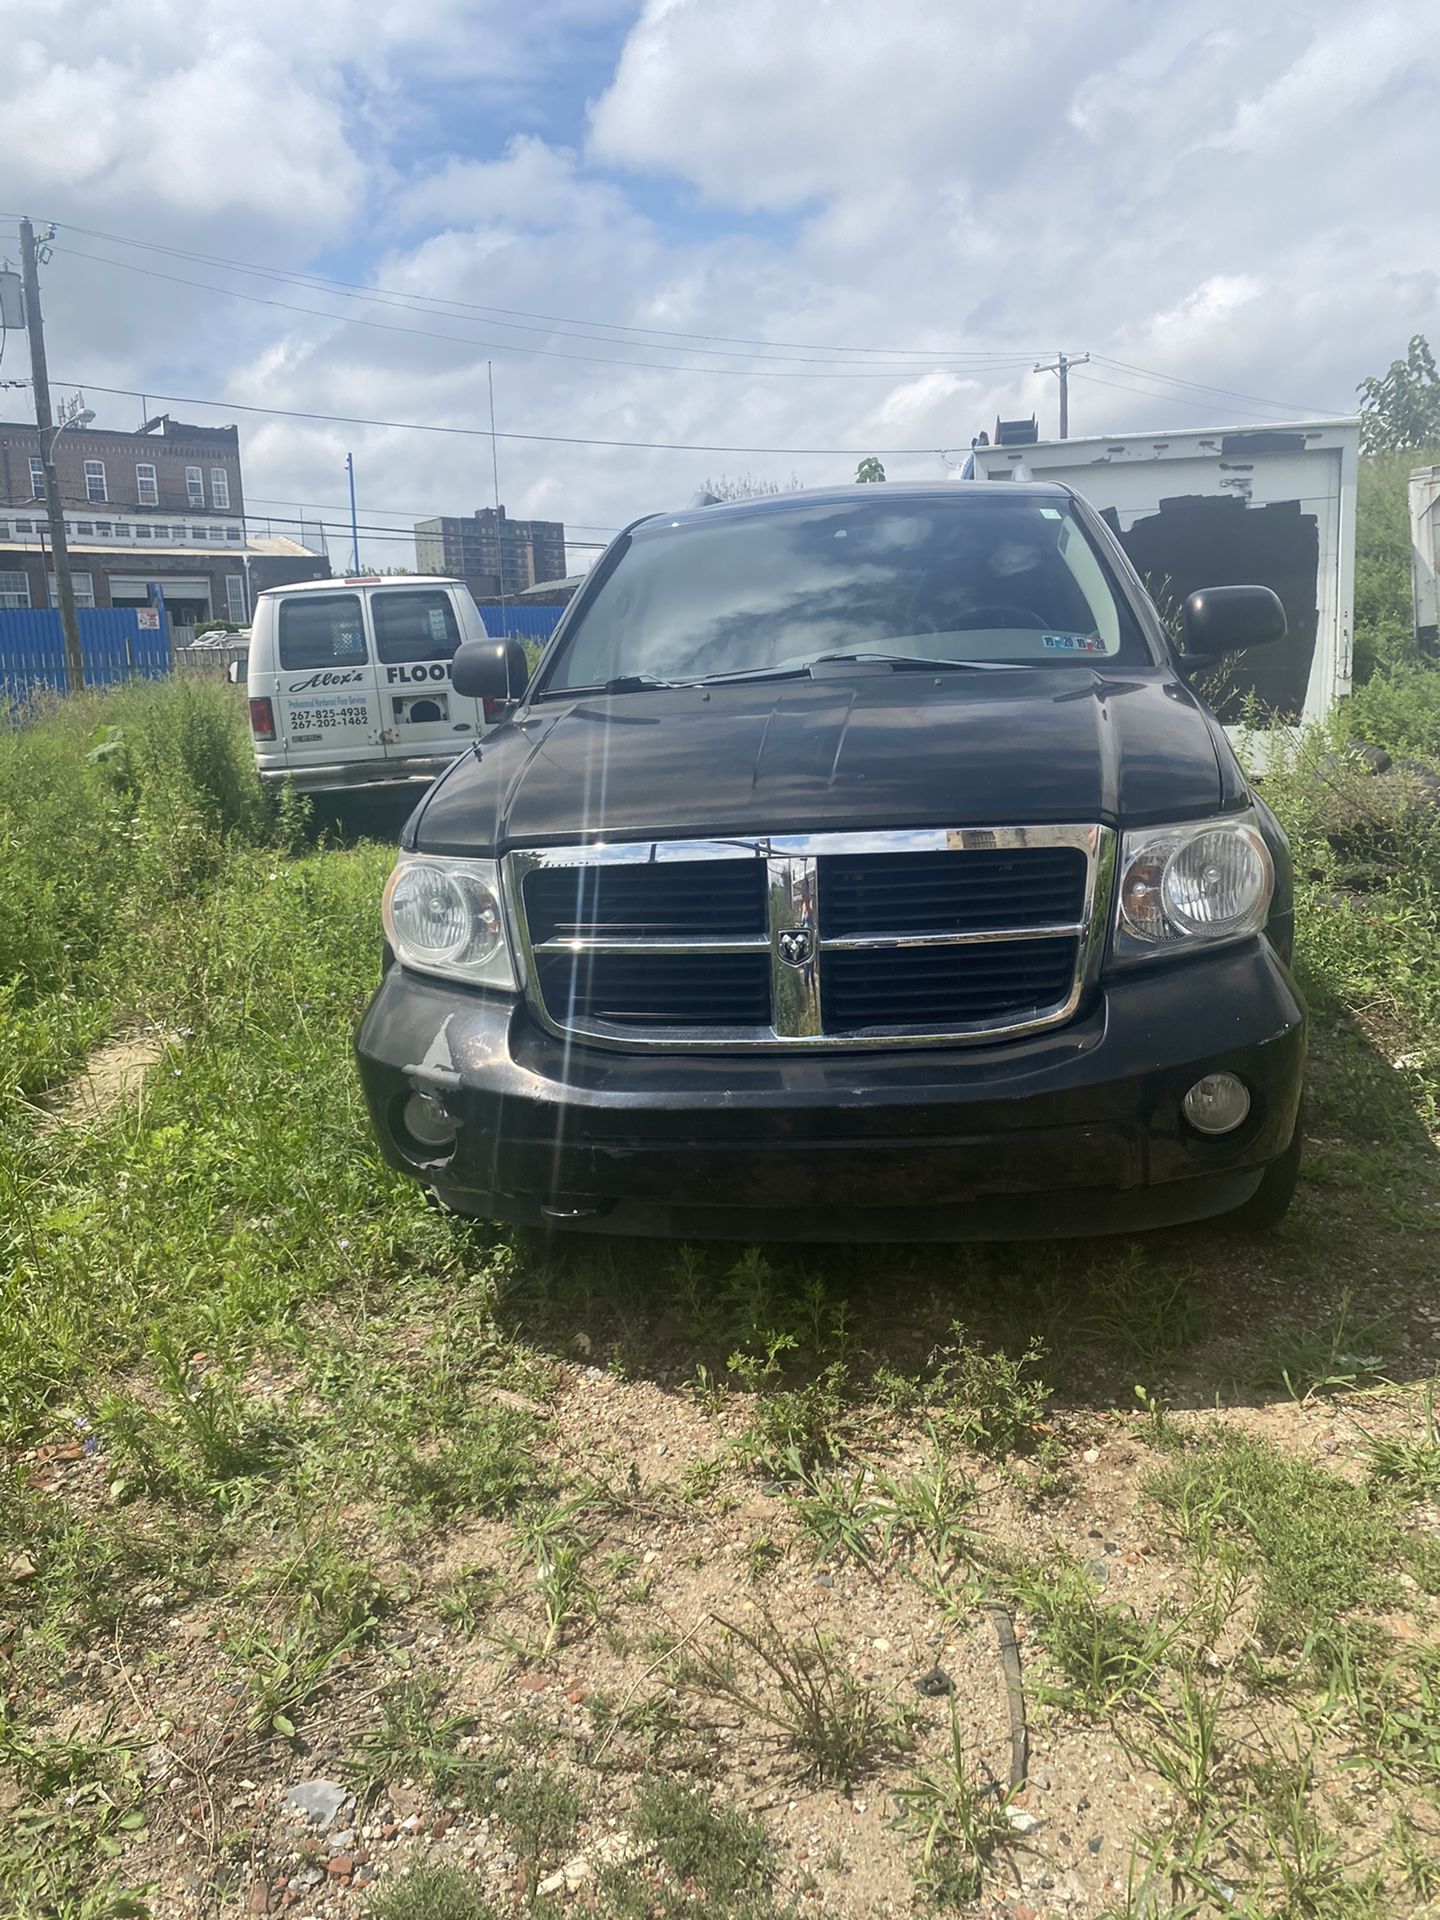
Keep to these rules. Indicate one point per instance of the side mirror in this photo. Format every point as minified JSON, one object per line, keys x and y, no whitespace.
{"x":490,"y":670}
{"x":238,"y":672}
{"x":1220,"y":620}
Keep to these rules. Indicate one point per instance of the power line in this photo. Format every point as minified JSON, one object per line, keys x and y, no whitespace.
{"x":383,"y":294}
{"x":399,"y":513}
{"x":1199,"y":386}
{"x":482,"y":433}
{"x":493,"y":346}
{"x":1183,"y":400}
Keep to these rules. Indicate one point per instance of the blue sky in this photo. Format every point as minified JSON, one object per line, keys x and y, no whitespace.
{"x":1216,"y":195}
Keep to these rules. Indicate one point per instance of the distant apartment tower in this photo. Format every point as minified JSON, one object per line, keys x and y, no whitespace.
{"x":491,"y":552}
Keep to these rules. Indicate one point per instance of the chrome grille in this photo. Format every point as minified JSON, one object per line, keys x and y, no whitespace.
{"x":879,"y":939}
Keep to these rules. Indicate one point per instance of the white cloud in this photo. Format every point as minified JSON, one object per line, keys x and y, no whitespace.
{"x":1229,"y":194}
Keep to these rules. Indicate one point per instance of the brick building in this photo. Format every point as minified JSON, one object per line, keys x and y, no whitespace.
{"x":166,"y":503}
{"x":491,"y":552}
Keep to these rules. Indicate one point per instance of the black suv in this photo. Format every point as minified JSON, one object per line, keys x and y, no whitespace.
{"x":857,"y":864}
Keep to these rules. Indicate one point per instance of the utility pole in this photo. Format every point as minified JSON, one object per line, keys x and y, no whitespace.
{"x":354,"y":527}
{"x":495,"y":475}
{"x":1061,"y":365}
{"x":44,"y":420}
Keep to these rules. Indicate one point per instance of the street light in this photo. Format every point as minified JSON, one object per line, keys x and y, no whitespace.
{"x":75,"y":416}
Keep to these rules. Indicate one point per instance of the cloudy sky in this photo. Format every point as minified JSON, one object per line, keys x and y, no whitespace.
{"x":757,"y":225}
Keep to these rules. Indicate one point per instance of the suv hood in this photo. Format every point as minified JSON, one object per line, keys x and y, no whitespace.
{"x":901,"y":749}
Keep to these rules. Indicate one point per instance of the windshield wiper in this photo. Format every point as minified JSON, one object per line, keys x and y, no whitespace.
{"x":650,"y":683}
{"x":904,"y":660}
{"x":912,"y":660}
{"x":633,"y":683}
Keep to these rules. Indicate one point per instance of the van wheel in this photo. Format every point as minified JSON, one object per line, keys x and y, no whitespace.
{"x":1270,"y":1202}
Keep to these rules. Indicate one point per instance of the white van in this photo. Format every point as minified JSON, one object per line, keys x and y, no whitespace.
{"x":349,"y":680}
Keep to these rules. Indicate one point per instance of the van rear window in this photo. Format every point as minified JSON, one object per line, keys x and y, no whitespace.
{"x":321,"y":630}
{"x":413,"y":624}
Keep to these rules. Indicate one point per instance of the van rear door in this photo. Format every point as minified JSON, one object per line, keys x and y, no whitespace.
{"x":417,"y":630}
{"x":328,"y":707}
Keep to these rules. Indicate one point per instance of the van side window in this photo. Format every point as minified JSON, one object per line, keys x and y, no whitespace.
{"x":321,"y":630}
{"x":414,"y":624}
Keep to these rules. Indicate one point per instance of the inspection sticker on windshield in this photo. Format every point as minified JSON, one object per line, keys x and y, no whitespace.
{"x":1073,"y":642}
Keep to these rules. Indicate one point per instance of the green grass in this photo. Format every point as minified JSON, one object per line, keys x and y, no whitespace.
{"x":279,"y":1370}
{"x":1320,"y":1547}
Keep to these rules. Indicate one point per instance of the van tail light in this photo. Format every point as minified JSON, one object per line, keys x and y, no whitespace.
{"x":262,"y":719}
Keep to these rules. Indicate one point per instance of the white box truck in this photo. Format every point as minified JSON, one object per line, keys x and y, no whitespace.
{"x":1425,"y":556}
{"x":1228,"y":506}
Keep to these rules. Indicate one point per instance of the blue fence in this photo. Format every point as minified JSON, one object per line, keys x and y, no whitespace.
{"x":512,"y":622}
{"x":113,"y":646}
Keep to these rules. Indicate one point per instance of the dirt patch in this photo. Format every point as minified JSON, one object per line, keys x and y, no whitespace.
{"x":112,"y":1078}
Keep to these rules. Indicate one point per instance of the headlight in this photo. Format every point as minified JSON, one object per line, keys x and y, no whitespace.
{"x":1206,"y":881}
{"x":444,"y":916}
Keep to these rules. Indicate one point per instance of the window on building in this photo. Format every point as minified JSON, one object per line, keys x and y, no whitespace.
{"x":4,"y":529}
{"x":144,"y":533}
{"x":82,"y":584}
{"x":84,"y":529}
{"x":37,"y":480}
{"x":161,"y":532}
{"x":194,"y":487}
{"x":147,"y":487}
{"x":232,"y":533}
{"x":321,"y":630}
{"x":14,"y":590}
{"x":104,"y":530}
{"x":199,"y":533}
{"x":95,"y":480}
{"x":235,"y":606}
{"x":219,"y":487}
{"x":122,"y":532}
{"x":414,"y":625}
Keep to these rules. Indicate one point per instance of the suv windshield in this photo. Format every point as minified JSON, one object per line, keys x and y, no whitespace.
{"x":973,"y":578}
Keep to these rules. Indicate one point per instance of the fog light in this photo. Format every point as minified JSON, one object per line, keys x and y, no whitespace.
{"x":427,"y":1122}
{"x":1216,"y":1104}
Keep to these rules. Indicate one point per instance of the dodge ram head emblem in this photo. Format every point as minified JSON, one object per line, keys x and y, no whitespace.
{"x":796,"y":946}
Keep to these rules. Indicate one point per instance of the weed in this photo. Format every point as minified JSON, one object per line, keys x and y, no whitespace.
{"x":1387,"y":1704}
{"x":819,"y":1713}
{"x":700,"y":1477}
{"x":1160,"y":1430}
{"x":203,"y":1442}
{"x":1107,"y":1655}
{"x":725,"y":1853}
{"x":469,"y":1597}
{"x":1411,"y":1467}
{"x":536,"y":1807}
{"x":482,"y":1463}
{"x":1319,"y":1546}
{"x":1302,"y":1864}
{"x":413,"y":1740}
{"x":993,"y":1402}
{"x":432,"y":1893}
{"x":1337,"y":1354}
{"x":761,"y":1554}
{"x":1142,"y":1313}
{"x":558,"y":1549}
{"x":871,"y":1514}
{"x":960,"y":1822}
{"x":284,"y":1672}
{"x":1178,"y":1737}
{"x":797,"y":1428}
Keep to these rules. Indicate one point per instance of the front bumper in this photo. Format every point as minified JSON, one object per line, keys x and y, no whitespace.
{"x":1073,"y":1131}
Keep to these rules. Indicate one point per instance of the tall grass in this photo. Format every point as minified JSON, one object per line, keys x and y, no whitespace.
{"x":115,"y":808}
